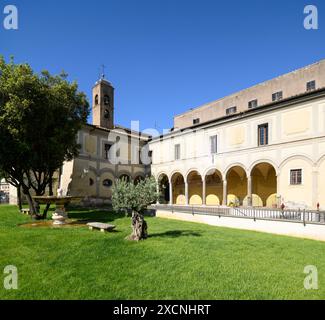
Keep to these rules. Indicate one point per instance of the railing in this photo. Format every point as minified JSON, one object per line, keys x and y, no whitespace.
{"x":287,"y":215}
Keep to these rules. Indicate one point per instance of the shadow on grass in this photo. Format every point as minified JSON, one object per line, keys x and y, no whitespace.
{"x":176,"y":234}
{"x":94,"y":215}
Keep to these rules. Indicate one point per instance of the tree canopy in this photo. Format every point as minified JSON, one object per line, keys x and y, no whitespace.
{"x":40,"y":115}
{"x":136,"y":197}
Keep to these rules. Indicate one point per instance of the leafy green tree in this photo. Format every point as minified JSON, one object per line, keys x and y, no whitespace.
{"x":40,"y":116}
{"x":136,"y":198}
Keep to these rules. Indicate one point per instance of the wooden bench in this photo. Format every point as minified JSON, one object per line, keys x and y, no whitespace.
{"x":25,"y":211}
{"x":103,"y":227}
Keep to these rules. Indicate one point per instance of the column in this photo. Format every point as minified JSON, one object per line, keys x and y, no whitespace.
{"x":315,"y":189}
{"x":170,"y":193}
{"x":249,"y":191}
{"x":278,"y":194}
{"x":186,"y":193}
{"x":158,"y":192}
{"x":203,"y":191}
{"x":225,"y":192}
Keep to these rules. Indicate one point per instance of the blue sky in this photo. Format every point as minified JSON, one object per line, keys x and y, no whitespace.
{"x":164,"y":56}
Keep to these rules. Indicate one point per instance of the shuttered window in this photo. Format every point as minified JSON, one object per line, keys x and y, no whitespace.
{"x":214,"y":144}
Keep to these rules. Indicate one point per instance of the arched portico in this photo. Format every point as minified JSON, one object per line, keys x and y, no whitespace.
{"x":164,"y":189}
{"x":237,"y":186}
{"x":125,"y":176}
{"x":177,"y":189}
{"x":264,"y":185}
{"x":213,"y":187}
{"x":194,"y":194}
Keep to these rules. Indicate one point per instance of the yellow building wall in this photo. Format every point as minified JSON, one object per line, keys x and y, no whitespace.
{"x":195,"y":194}
{"x":179,"y":195}
{"x":236,"y":135}
{"x":264,"y":189}
{"x":79,"y":184}
{"x":296,"y":122}
{"x":105,"y":192}
{"x":237,"y":189}
{"x":214,"y":194}
{"x":90,"y":145}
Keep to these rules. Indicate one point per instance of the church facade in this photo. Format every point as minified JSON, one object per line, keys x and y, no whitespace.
{"x":262,"y":147}
{"x":108,"y":152}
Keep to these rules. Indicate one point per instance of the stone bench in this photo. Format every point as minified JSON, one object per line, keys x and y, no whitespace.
{"x":25,"y":211}
{"x":103,"y":227}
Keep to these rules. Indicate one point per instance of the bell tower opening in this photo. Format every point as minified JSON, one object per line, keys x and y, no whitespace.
{"x":103,"y":104}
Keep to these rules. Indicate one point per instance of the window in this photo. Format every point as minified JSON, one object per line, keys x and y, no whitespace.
{"x":263,"y":135}
{"x":214,"y":144}
{"x":106,"y":100}
{"x":253,"y":104}
{"x":107,"y":183}
{"x":311,"y":85}
{"x":296,"y":177}
{"x":107,"y":148}
{"x":231,"y":110}
{"x":177,"y":152}
{"x":96,"y":99}
{"x":196,"y":121}
{"x":106,"y":114}
{"x":277,"y":96}
{"x":91,"y":182}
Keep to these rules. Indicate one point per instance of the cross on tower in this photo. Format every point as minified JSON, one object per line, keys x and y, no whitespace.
{"x":102,"y":75}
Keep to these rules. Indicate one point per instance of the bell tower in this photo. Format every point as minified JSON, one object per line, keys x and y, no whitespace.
{"x":103,"y":104}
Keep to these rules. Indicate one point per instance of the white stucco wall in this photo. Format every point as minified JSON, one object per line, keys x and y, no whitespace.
{"x":296,"y":141}
{"x":310,"y":231}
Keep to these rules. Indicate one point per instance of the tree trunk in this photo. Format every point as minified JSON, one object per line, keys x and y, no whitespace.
{"x":19,"y":201}
{"x":32,"y":208}
{"x":50,"y":194}
{"x":139,"y":227}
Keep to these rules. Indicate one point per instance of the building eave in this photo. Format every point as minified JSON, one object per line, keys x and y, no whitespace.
{"x":304,"y":97}
{"x":120,"y":130}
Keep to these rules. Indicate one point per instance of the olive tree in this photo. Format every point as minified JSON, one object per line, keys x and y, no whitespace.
{"x":136,"y":198}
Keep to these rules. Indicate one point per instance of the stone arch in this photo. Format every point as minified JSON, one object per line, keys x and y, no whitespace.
{"x":213,"y":180}
{"x":124,"y":173}
{"x":178,"y":183}
{"x":237,"y":186}
{"x":139,"y":174}
{"x":106,"y":170}
{"x":164,"y":188}
{"x":194,"y":180}
{"x":320,"y":161}
{"x":269,"y":161}
{"x":209,"y":170}
{"x":293,"y":157}
{"x":236,"y":164}
{"x":157,"y":177}
{"x":192,"y":170}
{"x":264,"y":185}
{"x":138,"y":177}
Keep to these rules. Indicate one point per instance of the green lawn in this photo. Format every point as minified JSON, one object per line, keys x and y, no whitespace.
{"x":180,"y":260}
